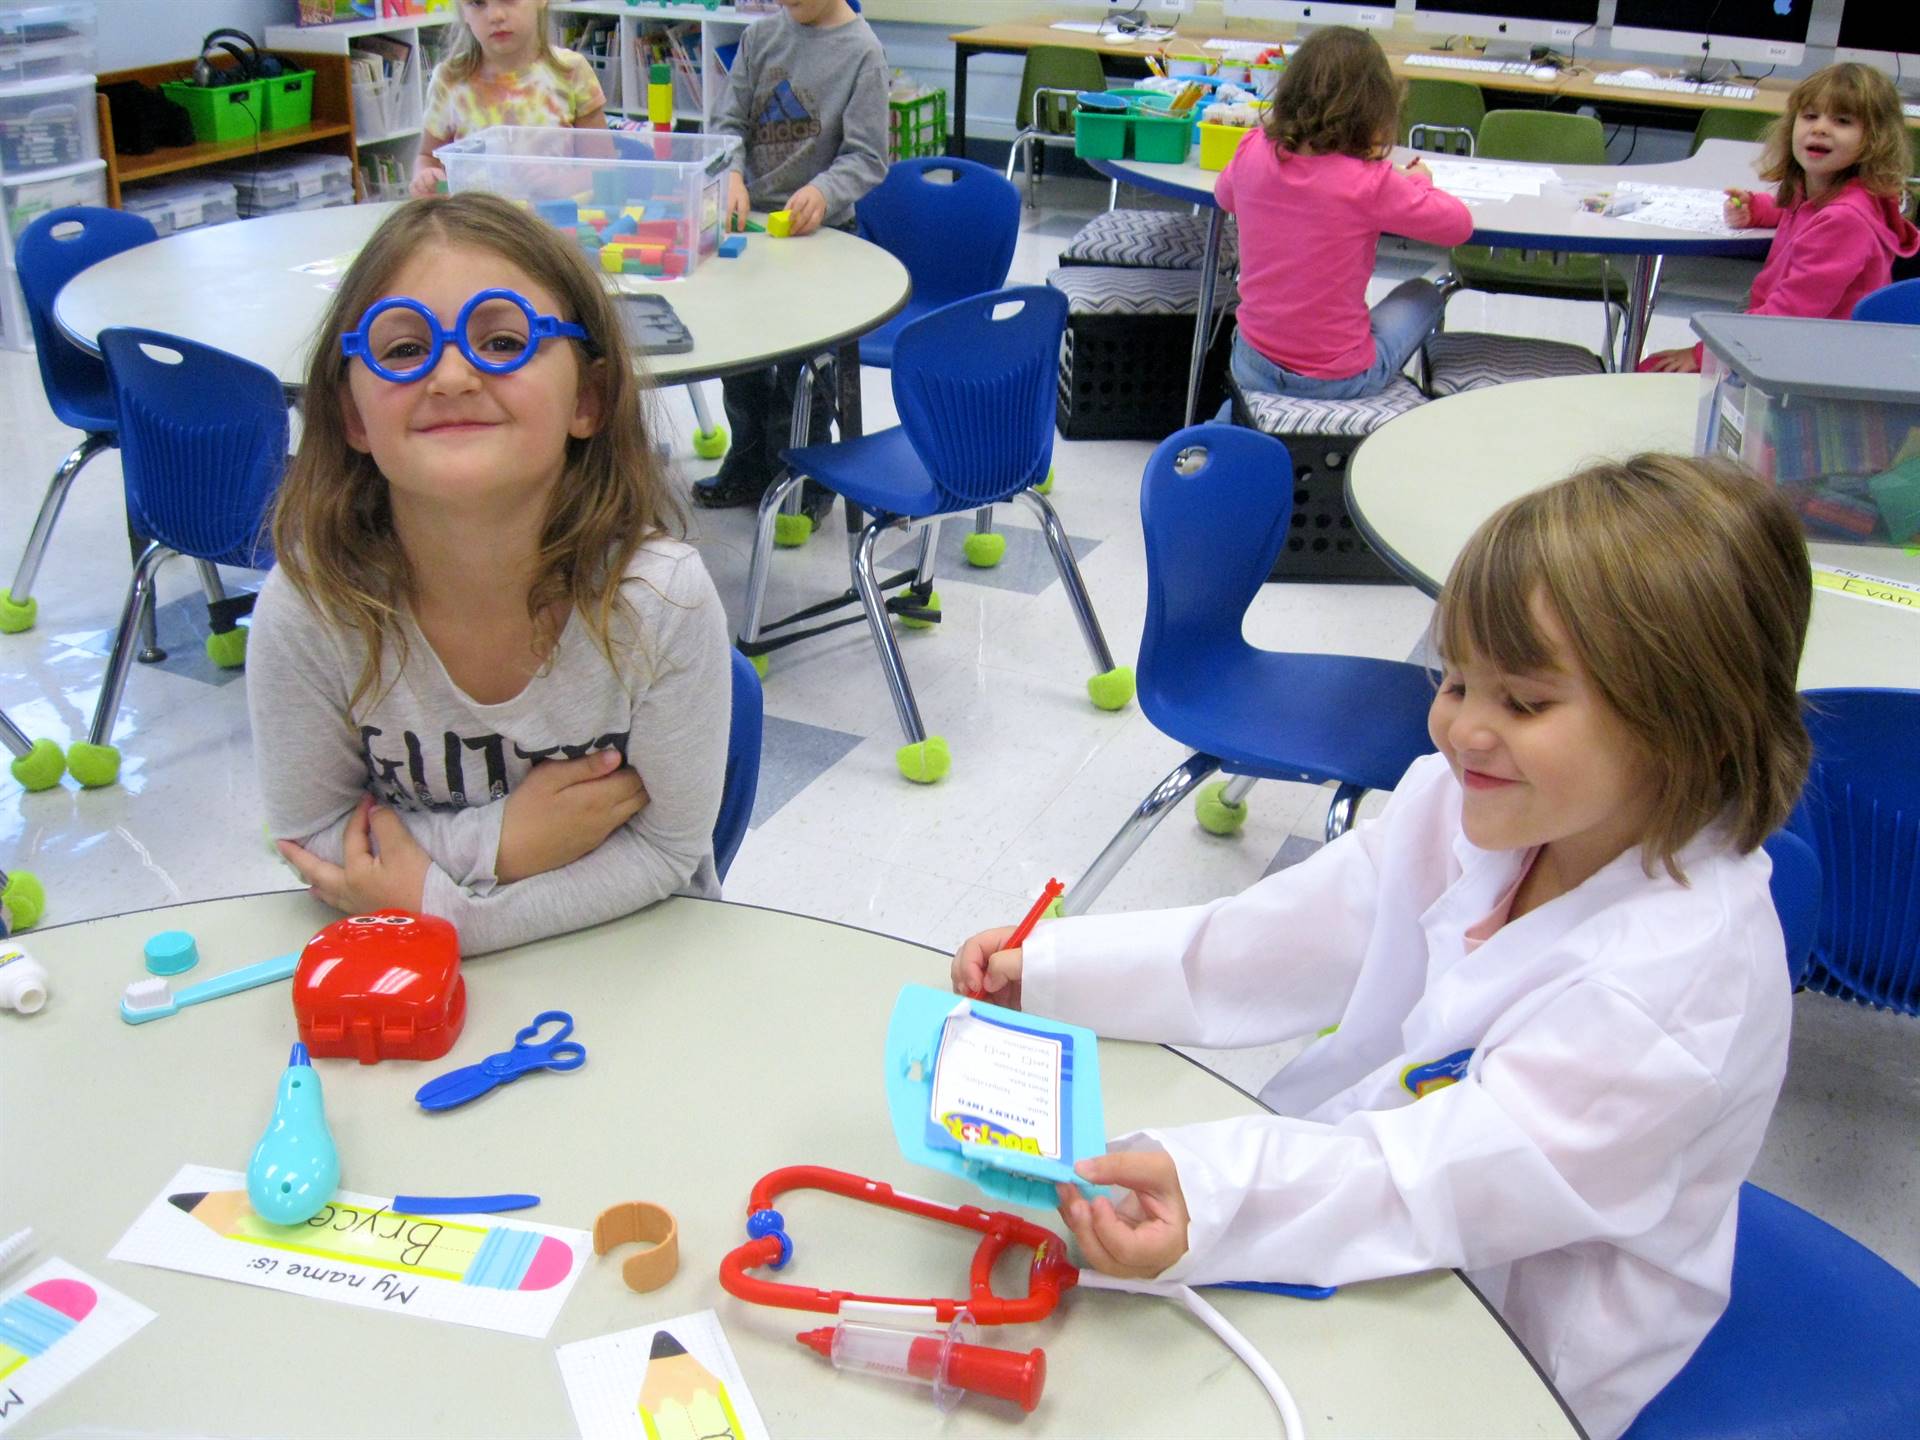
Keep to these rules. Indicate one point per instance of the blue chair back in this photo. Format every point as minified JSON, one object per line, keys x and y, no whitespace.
{"x":1795,"y":884}
{"x":1861,"y":816}
{"x":956,"y":239}
{"x":1895,"y":304}
{"x":743,"y":765}
{"x":974,"y":385}
{"x":203,"y":441}
{"x":50,"y":252}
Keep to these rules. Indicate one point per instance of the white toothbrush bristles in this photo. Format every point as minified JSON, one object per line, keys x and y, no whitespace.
{"x":151,"y":994}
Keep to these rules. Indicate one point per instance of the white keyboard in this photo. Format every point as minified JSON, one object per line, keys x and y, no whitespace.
{"x":1913,"y":111}
{"x":1630,"y":80}
{"x":1485,"y":67}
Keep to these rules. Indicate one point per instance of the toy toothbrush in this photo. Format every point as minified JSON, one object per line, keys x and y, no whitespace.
{"x":153,"y":999}
{"x":295,"y":1168}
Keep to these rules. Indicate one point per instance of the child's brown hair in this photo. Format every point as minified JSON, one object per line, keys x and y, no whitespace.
{"x":1859,"y":91}
{"x":1684,"y":588}
{"x":1336,"y":96}
{"x":332,"y":522}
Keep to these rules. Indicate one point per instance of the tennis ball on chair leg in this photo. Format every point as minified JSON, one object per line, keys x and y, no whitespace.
{"x":16,"y":616}
{"x":984,"y":549}
{"x":759,"y":663}
{"x":228,"y":651}
{"x":93,"y":765}
{"x":1045,"y":487}
{"x":914,"y":622}
{"x":1215,"y":815}
{"x":710,"y":444}
{"x":24,"y":900}
{"x":792,"y":531}
{"x":1113,"y":689}
{"x":41,"y":767}
{"x":926,"y":762}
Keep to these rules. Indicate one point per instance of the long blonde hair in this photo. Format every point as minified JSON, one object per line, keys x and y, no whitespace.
{"x":1886,"y":155}
{"x":465,"y":54}
{"x":332,"y":522}
{"x":1684,"y":587}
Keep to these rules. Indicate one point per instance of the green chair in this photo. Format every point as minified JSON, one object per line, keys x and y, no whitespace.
{"x":1051,"y":78}
{"x":1442,"y":116}
{"x":1729,"y":125}
{"x":1546,"y":137}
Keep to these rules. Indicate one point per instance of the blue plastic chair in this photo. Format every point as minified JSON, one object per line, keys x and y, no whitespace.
{"x":974,"y":386}
{"x":203,"y":440}
{"x":1861,"y":816}
{"x":1895,"y":304}
{"x":743,"y":765}
{"x":1817,"y":1334}
{"x":1795,"y":885}
{"x":50,"y":252}
{"x":956,"y":239}
{"x":1215,"y":506}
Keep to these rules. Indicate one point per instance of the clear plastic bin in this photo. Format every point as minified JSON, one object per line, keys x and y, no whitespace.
{"x":29,"y":196}
{"x":48,"y":123}
{"x":586,"y":181}
{"x":298,"y":202}
{"x":16,"y":331}
{"x":274,"y":183}
{"x":37,"y":41}
{"x":373,"y":103}
{"x":1829,"y":410}
{"x":172,"y":205}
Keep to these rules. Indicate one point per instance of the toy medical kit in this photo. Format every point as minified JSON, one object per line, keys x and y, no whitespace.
{"x":1048,"y":894}
{"x":23,"y":980}
{"x":171,"y":952}
{"x":154,"y":999}
{"x":469,"y":1082}
{"x":461,"y":1204}
{"x":498,"y":331}
{"x":639,"y":1222}
{"x":1006,"y":1100}
{"x":385,"y":986}
{"x":295,"y":1168}
{"x":950,"y":1363}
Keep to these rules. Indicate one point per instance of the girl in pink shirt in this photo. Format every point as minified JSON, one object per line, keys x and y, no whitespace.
{"x":1312,"y":206}
{"x":1839,"y":155}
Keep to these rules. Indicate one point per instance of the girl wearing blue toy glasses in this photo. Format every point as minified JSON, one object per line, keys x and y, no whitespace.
{"x":489,"y":681}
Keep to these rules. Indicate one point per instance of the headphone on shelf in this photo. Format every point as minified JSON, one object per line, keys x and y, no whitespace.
{"x":248,"y":64}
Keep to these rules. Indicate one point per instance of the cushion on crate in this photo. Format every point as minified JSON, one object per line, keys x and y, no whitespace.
{"x":1116,"y":290}
{"x":1150,"y":240}
{"x":1284,"y":415}
{"x":1469,"y":361}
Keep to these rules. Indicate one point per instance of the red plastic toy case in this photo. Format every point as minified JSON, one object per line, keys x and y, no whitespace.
{"x":385,"y":986}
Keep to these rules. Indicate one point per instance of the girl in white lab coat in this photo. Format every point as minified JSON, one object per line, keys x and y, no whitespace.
{"x":1559,"y":985}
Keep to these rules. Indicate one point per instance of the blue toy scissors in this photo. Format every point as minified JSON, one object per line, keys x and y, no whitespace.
{"x":469,"y":1082}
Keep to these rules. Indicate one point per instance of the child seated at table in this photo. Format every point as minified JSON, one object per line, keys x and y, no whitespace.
{"x":1312,"y":204}
{"x":1839,"y":155}
{"x":486,"y":680}
{"x":808,"y":98}
{"x":1549,"y":983}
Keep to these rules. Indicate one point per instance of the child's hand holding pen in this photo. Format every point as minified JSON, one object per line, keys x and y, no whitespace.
{"x":984,"y":970}
{"x":1737,"y":211}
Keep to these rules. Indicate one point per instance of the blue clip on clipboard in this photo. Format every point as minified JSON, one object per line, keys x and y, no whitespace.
{"x":1000,"y":1159}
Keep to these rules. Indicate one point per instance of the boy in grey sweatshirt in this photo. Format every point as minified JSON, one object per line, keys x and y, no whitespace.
{"x":808,"y":98}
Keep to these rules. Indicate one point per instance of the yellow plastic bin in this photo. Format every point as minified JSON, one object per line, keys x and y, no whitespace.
{"x":1218,"y":143}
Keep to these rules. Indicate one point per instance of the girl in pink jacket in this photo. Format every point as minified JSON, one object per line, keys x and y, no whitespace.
{"x":1839,"y":154}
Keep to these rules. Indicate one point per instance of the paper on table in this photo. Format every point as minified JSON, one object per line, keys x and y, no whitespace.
{"x":479,"y":1270}
{"x":55,"y":1325}
{"x":1488,"y":179}
{"x":986,"y":1071}
{"x":1247,"y":50}
{"x":1677,"y":207}
{"x":1900,"y":594}
{"x":611,"y":1378}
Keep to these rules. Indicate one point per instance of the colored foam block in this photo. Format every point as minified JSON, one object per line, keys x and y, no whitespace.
{"x":612,"y":259}
{"x":593,"y":215}
{"x":780,"y":224}
{"x":674,"y":263}
{"x":635,"y":213}
{"x":559,"y":212}
{"x":642,"y":267}
{"x":731,"y":246}
{"x":625,"y":225}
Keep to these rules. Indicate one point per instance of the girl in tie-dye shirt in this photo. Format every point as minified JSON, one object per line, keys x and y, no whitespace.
{"x":503,"y":72}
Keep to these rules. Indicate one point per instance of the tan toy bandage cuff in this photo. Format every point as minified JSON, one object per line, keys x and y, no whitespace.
{"x":638,"y":1222}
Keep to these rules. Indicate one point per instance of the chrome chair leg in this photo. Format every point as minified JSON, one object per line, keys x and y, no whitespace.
{"x":210,"y":580}
{"x":1343,"y":809}
{"x":13,"y":737}
{"x":875,"y":606}
{"x":139,"y":607}
{"x":91,"y":445}
{"x":983,"y":520}
{"x":1070,"y":580}
{"x":1238,"y":787}
{"x":1181,"y":781}
{"x":929,"y":543}
{"x":762,"y":560}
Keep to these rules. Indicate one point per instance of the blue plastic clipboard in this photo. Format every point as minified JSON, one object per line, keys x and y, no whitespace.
{"x":970,"y":1146}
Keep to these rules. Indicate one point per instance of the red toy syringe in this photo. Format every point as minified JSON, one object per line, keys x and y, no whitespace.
{"x":951,"y":1364}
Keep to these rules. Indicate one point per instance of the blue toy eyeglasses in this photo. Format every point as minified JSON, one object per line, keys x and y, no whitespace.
{"x":401,"y":340}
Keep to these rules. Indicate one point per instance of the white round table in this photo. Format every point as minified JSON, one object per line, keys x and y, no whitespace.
{"x":241,"y":287}
{"x":1420,"y":485}
{"x":723,"y":1042}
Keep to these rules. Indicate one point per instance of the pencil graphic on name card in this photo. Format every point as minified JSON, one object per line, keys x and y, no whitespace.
{"x":498,"y":1257}
{"x":36,"y":1319}
{"x":681,"y":1399}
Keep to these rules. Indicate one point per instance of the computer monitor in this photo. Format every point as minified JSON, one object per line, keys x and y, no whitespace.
{"x":1885,"y":36}
{"x":1375,"y":16}
{"x":1536,"y":22}
{"x":1768,"y":32}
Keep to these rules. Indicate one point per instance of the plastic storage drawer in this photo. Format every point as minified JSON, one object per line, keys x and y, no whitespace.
{"x":323,"y":201}
{"x":27,"y":197}
{"x":48,"y":123}
{"x":37,"y":41}
{"x":267,"y":186}
{"x":182,"y":204}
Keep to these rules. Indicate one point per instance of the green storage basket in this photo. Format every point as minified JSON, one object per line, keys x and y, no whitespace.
{"x":220,"y":113}
{"x":1161,"y":139}
{"x":1099,"y":134}
{"x":289,"y":100}
{"x":917,"y":127}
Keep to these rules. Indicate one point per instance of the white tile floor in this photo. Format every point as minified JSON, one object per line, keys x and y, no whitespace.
{"x":1040,"y":778}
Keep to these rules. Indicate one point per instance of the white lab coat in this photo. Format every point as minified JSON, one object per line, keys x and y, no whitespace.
{"x":1627,"y":1044}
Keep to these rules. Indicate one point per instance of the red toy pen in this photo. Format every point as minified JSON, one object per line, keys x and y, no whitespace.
{"x":1025,"y":928}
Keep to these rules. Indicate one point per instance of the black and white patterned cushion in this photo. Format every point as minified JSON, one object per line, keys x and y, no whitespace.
{"x":1284,"y":415}
{"x":1468,"y":361}
{"x":1117,"y":290}
{"x":1151,"y":240}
